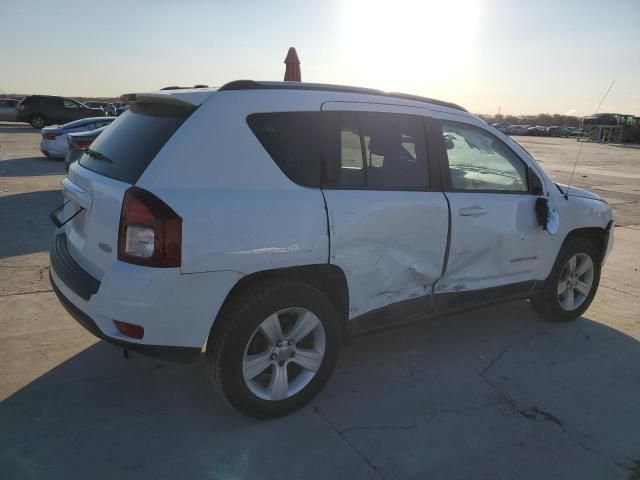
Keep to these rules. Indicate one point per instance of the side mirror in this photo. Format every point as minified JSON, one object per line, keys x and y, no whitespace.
{"x":542,"y":212}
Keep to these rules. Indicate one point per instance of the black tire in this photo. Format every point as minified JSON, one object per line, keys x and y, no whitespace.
{"x":234,"y":328}
{"x":547,"y":303}
{"x":38,"y":121}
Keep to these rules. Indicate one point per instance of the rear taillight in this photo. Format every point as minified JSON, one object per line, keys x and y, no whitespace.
{"x":78,"y":145}
{"x":150,"y":231}
{"x":50,"y":136}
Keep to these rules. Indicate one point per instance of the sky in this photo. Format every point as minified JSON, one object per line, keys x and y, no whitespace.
{"x":512,"y":56}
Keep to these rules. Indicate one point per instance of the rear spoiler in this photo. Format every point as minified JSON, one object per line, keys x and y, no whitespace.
{"x":158,"y":99}
{"x":189,"y":99}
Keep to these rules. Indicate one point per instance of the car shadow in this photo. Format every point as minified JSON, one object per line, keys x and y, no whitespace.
{"x":31,"y":167}
{"x":17,"y":128}
{"x":25,"y":226}
{"x":634,"y":146}
{"x":493,"y":393}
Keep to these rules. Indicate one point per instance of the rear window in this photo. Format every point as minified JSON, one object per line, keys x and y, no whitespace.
{"x":127,"y":147}
{"x":294,"y":142}
{"x":31,"y":101}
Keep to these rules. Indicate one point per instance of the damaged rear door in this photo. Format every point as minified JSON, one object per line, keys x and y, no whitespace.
{"x":388,"y":222}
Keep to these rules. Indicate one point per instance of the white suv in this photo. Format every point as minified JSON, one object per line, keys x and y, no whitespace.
{"x":272,"y":221}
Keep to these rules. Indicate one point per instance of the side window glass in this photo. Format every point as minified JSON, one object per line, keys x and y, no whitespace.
{"x":51,"y":102}
{"x":395,"y":150}
{"x":479,"y":161}
{"x":68,"y":104}
{"x":294,"y":142}
{"x":352,"y":171}
{"x":377,"y":151}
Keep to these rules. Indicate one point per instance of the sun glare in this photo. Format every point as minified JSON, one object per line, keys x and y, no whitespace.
{"x":407,"y":45}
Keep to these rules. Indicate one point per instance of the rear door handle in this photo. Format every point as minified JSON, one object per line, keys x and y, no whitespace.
{"x":474,"y":211}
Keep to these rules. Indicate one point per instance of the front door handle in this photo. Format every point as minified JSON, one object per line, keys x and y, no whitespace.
{"x":474,"y":211}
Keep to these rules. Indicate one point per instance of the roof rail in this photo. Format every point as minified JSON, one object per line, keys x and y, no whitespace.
{"x":176,"y":87}
{"x":254,"y":85}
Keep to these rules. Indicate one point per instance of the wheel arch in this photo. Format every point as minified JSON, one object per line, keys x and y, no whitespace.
{"x":329,"y":279}
{"x":597,"y":235}
{"x":38,"y":114}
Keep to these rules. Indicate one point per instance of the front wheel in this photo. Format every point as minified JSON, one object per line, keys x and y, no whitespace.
{"x":275,"y":348}
{"x":573,"y":282}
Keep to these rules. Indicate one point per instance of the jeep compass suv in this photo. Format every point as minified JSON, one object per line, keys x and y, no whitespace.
{"x":270,"y":221}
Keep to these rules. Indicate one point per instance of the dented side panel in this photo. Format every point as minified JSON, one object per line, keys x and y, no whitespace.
{"x":390,"y":244}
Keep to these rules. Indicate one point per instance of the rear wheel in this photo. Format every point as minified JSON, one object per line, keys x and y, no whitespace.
{"x":275,"y":348}
{"x":38,"y":121}
{"x":573,"y":282}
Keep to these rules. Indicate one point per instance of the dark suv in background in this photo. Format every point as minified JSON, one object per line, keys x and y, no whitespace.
{"x":42,"y":110}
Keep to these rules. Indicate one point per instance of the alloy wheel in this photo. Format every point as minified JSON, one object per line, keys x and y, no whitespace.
{"x":284,"y":353}
{"x":576,"y":281}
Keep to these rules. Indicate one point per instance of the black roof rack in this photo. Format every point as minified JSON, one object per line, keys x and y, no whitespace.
{"x":176,"y":87}
{"x":253,"y":85}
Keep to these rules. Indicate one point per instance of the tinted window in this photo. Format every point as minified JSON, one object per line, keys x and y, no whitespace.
{"x":376,"y":150}
{"x":52,"y":102}
{"x":35,"y":100}
{"x":479,"y":161}
{"x":293,"y":140}
{"x":128,"y":146}
{"x":68,"y":104}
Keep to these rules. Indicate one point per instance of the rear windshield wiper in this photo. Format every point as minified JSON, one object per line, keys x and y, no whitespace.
{"x":98,"y":155}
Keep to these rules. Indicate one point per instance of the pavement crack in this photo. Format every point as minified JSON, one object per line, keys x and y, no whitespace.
{"x":24,"y":293}
{"x":504,"y":351}
{"x":621,"y":291}
{"x":346,"y":440}
{"x":534,"y":413}
{"x":411,"y":426}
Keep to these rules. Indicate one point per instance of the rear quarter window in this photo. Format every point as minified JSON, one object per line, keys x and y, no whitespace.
{"x":294,"y":141}
{"x":125,"y":149}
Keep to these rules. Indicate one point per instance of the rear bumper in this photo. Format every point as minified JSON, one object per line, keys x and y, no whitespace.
{"x":176,"y":354}
{"x":55,"y":148}
{"x":176,"y":310}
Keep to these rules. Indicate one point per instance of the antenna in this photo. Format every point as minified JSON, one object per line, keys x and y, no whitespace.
{"x":566,"y":194}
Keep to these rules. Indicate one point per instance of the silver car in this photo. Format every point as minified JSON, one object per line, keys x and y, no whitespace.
{"x":8,"y":111}
{"x":54,"y":141}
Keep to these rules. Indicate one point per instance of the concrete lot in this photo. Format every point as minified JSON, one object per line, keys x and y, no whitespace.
{"x":493,"y":393}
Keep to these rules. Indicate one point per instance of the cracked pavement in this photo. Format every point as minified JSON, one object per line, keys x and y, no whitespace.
{"x":491,"y":393}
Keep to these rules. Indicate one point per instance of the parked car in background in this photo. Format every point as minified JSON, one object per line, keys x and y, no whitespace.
{"x":54,"y":141}
{"x":271,"y":221}
{"x":537,"y":131}
{"x":109,"y":108}
{"x":555,"y":131}
{"x":517,"y":130}
{"x":8,"y":109}
{"x":78,"y":142}
{"x":43,"y":110}
{"x":121,"y":107}
{"x":502,"y":126}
